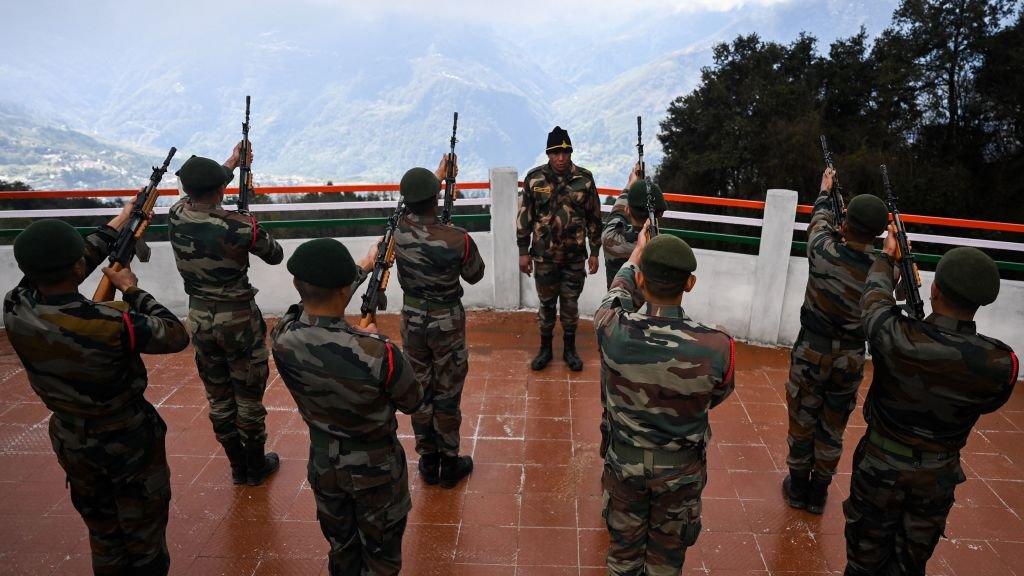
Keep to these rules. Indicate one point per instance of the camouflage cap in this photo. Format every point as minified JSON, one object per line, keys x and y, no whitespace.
{"x":198,"y":173}
{"x":323,"y":262}
{"x":47,"y":246}
{"x":968,"y":276}
{"x":667,"y":259}
{"x":868,"y":214}
{"x":636,"y":196}
{"x":419,"y":184}
{"x":558,"y":140}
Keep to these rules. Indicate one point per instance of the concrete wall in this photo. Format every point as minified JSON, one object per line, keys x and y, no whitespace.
{"x":755,"y":298}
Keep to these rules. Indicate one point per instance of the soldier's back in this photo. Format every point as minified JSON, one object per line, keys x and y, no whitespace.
{"x":934,"y":378}
{"x":211,"y":249}
{"x":432,"y":257}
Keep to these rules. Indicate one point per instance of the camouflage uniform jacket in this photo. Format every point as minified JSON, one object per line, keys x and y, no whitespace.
{"x":559,"y":215}
{"x":346,"y":383}
{"x":618,"y":237}
{"x":211,"y":249}
{"x":933,"y":378}
{"x":661,"y":371}
{"x":82,"y":357}
{"x":432,"y":256}
{"x":835,"y":280}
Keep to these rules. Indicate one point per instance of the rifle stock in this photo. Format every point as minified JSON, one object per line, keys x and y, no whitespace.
{"x":835,"y":194}
{"x":123,"y":251}
{"x":652,"y":216}
{"x":449,"y":178}
{"x":911,"y":276}
{"x":381,"y":273}
{"x":244,"y":170}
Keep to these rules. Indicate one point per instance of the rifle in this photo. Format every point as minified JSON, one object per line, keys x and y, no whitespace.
{"x":908,"y":268}
{"x":449,"y":178}
{"x":836,"y":194}
{"x":123,"y":251}
{"x":652,"y":230}
{"x":244,"y":171}
{"x":381,"y":269}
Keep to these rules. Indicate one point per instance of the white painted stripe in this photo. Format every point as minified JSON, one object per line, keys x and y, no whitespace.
{"x":71,"y":212}
{"x":699,"y":217}
{"x":950,"y":240}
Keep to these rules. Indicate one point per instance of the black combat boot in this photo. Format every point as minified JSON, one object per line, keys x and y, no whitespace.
{"x":260,"y":465}
{"x":569,"y":352}
{"x":236,"y":456}
{"x":540,"y":361}
{"x":453,"y":469}
{"x":818,"y":493}
{"x":430,"y":466}
{"x":795,"y":488}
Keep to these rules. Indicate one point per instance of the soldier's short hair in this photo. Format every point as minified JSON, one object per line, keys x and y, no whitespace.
{"x":52,"y":277}
{"x":661,"y":289}
{"x":421,"y":207}
{"x":315,"y":294}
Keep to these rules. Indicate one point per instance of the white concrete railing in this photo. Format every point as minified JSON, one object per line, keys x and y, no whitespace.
{"x":754,"y":298}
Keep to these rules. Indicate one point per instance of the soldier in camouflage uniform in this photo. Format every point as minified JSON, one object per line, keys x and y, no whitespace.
{"x":83,"y":360}
{"x":827,"y":361}
{"x":211,"y":249}
{"x":431,"y":257}
{"x":627,"y":218}
{"x":559,"y":216}
{"x":347,"y":384}
{"x":933,"y":379}
{"x":661,"y":373}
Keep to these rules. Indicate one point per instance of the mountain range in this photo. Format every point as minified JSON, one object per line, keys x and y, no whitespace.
{"x":360,"y":100}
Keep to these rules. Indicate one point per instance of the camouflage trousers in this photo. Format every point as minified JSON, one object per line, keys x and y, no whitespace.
{"x":558,"y":288}
{"x":897,"y":510}
{"x":121,"y":486}
{"x":611,"y":268}
{"x":652,"y":510}
{"x":434,"y":341}
{"x":362,"y":503}
{"x":231,"y":354}
{"x":821,"y":394}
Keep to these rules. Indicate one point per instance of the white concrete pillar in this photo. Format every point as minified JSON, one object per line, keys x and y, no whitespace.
{"x":772,"y":266}
{"x":504,"y":262}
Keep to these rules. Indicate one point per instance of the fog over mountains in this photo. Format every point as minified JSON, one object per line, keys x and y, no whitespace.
{"x":92,"y":93}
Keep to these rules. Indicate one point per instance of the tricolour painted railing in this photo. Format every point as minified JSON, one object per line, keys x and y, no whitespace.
{"x":754,"y":297}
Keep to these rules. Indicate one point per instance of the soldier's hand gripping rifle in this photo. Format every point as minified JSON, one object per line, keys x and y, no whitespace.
{"x":123,"y":251}
{"x":244,"y":170}
{"x":652,"y":230}
{"x":449,"y":177}
{"x":908,"y":268}
{"x":378,"y":281}
{"x":836,"y":193}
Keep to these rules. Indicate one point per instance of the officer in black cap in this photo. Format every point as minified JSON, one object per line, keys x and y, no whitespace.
{"x":559,"y":219}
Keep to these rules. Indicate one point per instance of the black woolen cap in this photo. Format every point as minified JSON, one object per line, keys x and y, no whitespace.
{"x":968,"y":276}
{"x":323,"y":262}
{"x":47,"y":246}
{"x":198,"y":173}
{"x":558,"y":140}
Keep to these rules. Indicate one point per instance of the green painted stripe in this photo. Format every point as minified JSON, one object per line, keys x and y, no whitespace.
{"x":272,"y":224}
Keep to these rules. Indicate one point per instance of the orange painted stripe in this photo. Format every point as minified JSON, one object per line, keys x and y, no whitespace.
{"x":692,"y":199}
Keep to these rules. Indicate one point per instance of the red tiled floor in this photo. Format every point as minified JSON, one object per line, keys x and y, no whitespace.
{"x":532,"y":506}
